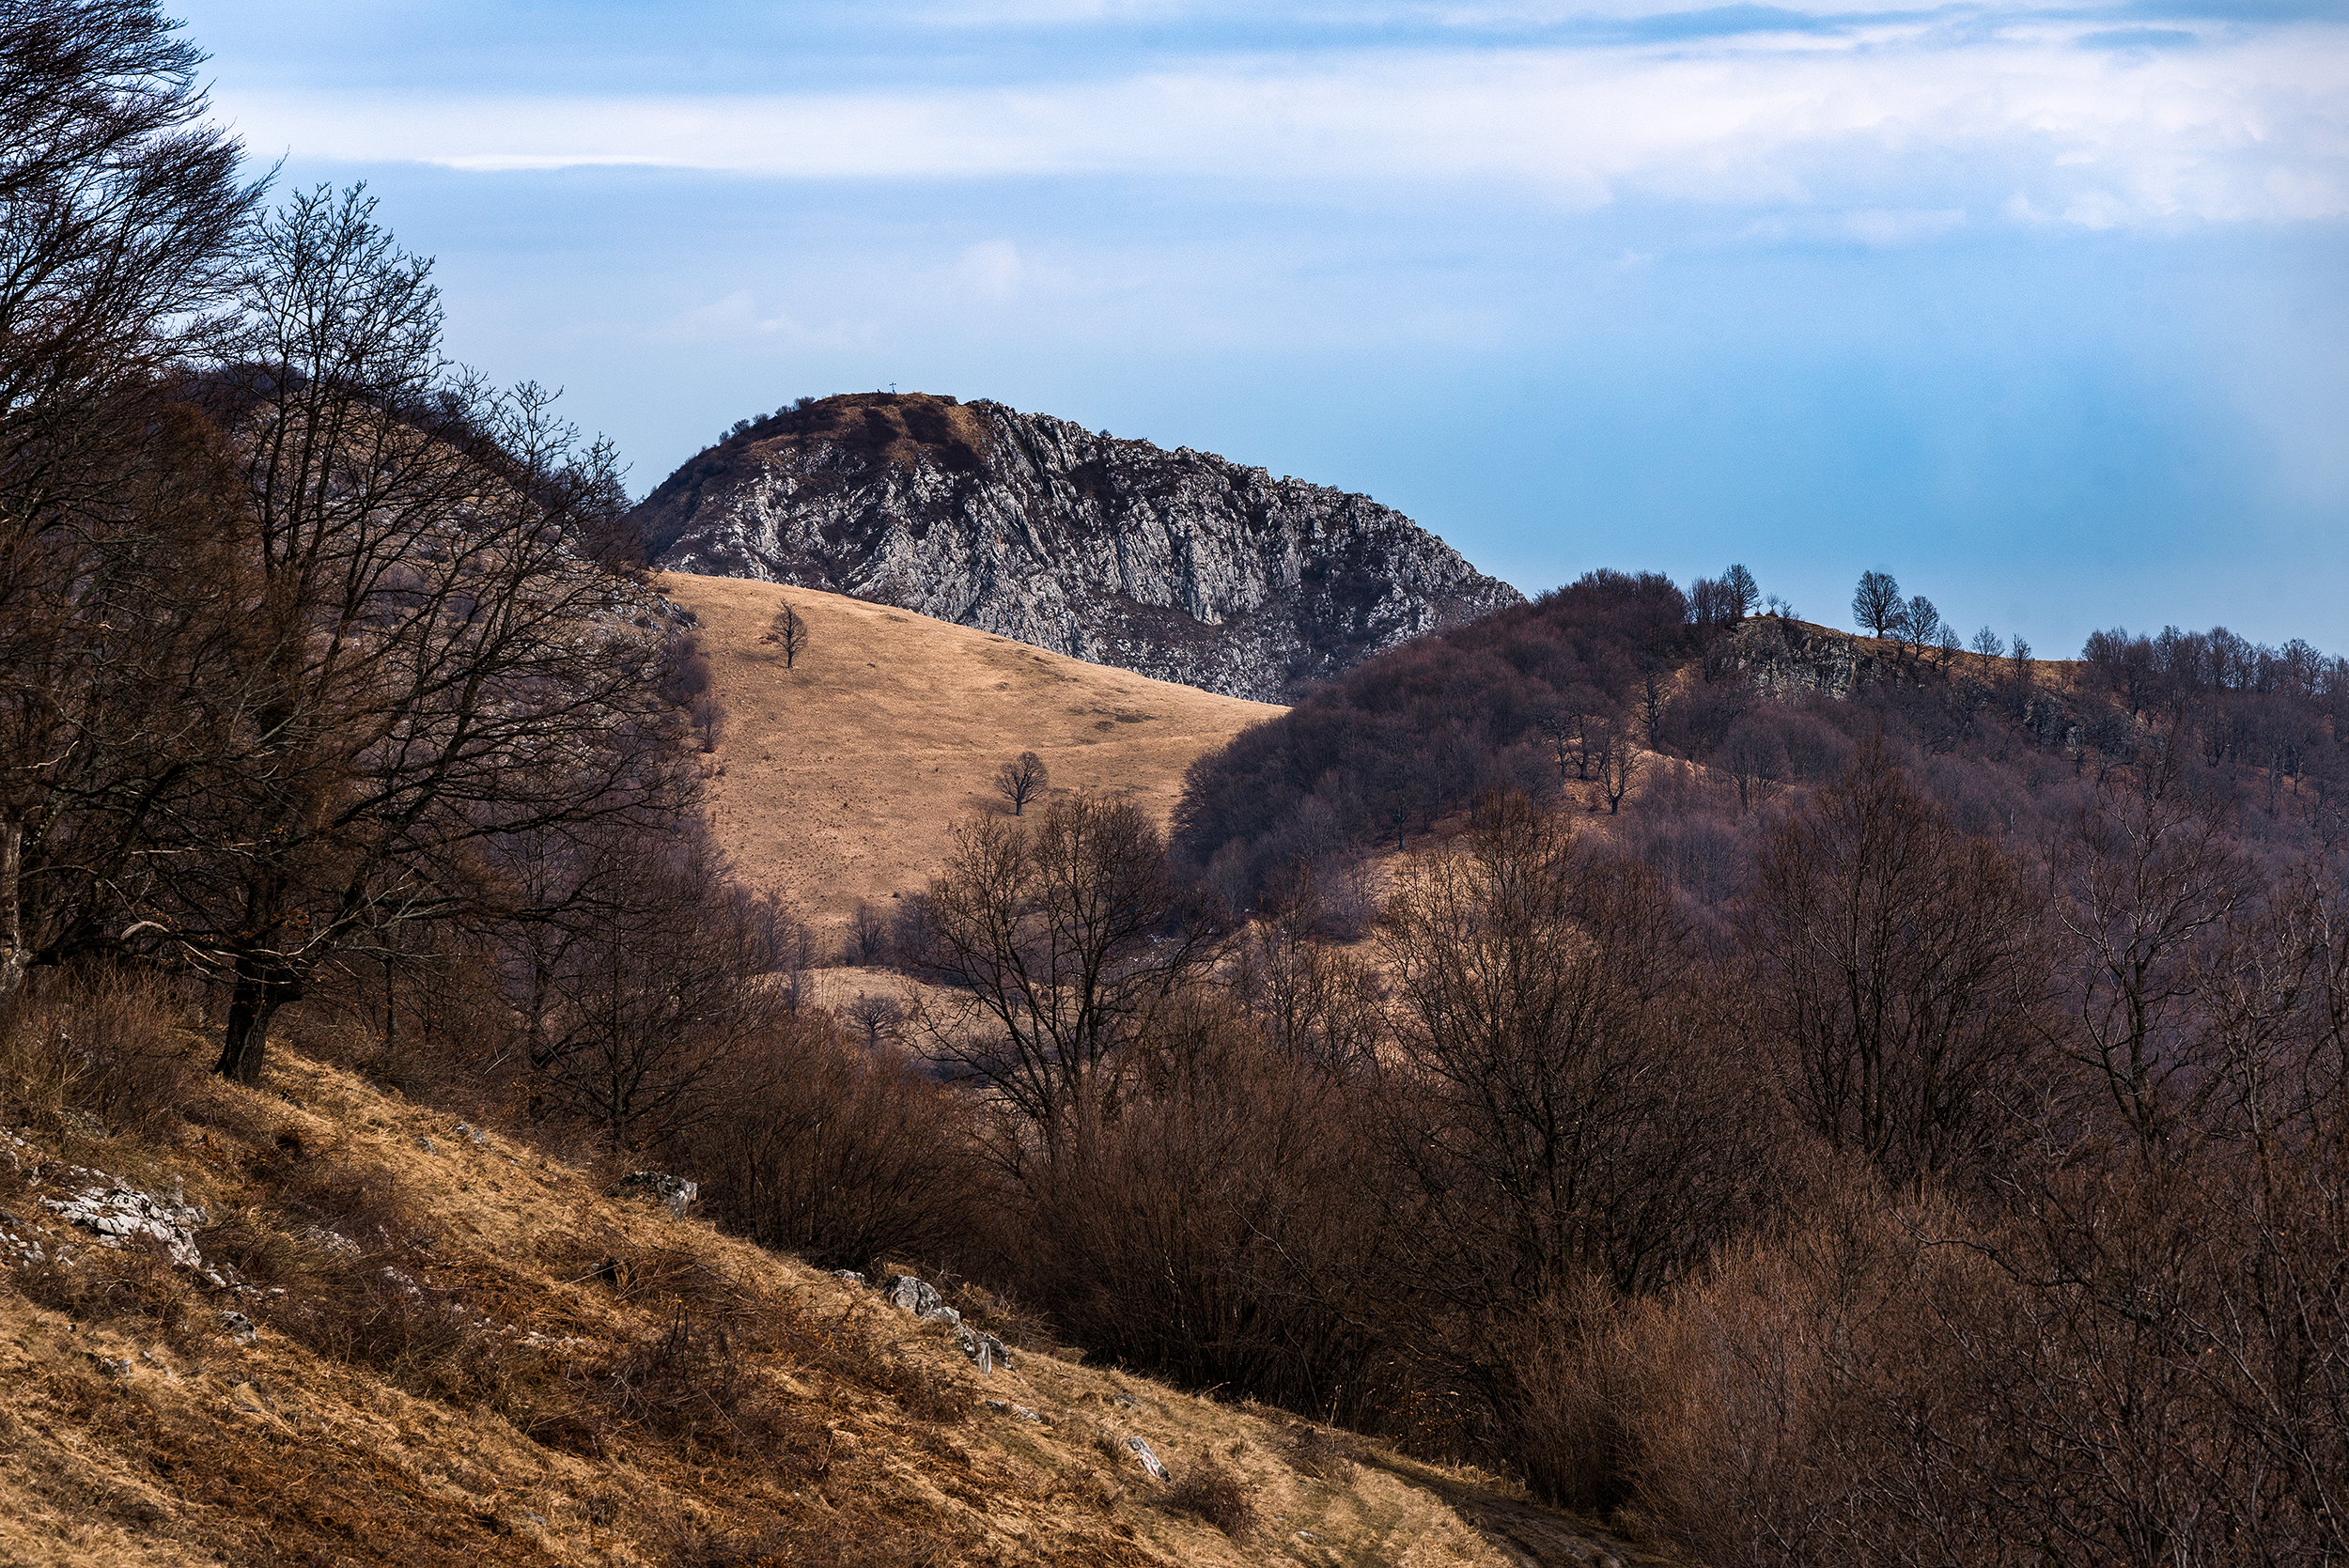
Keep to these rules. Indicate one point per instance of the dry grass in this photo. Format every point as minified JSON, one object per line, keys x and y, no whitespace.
{"x":836,"y":780}
{"x":548,"y":1376}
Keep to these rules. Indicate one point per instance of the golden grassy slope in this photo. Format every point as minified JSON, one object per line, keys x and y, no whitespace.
{"x":138,"y":1431}
{"x":838,"y":779}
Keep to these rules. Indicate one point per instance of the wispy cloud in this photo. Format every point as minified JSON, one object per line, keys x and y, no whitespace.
{"x":2045,"y":120}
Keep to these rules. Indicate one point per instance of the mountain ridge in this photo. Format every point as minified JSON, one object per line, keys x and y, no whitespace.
{"x":1178,"y":564}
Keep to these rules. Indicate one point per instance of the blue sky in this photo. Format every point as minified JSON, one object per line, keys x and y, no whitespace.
{"x":2043,"y":308}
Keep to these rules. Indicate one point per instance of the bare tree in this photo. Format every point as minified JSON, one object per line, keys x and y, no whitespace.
{"x":1754,"y":756}
{"x":1712,"y":604}
{"x":1055,"y":946}
{"x":1922,"y":623}
{"x":120,"y":216}
{"x":2148,"y":877}
{"x":1988,"y":643}
{"x":1744,"y":592}
{"x":1569,"y":724}
{"x":662,"y":998}
{"x":1656,"y":690}
{"x":1614,"y":761}
{"x":788,"y":631}
{"x":1878,"y":604}
{"x":1536,"y":1110}
{"x":875,"y":1017}
{"x":423,"y":672}
{"x":1021,"y":780}
{"x":868,"y":940}
{"x":1897,"y":964}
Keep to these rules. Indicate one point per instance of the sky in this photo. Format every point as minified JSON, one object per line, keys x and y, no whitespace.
{"x":2041,"y":308}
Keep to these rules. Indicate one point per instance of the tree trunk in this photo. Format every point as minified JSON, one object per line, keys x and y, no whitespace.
{"x":259,"y":991}
{"x":12,"y":955}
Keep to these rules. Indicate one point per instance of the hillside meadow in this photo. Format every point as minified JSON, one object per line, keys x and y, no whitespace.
{"x":838,"y":779}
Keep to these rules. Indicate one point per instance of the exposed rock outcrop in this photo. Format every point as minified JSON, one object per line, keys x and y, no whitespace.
{"x":1178,"y":564}
{"x":920,"y":1298}
{"x":1786,"y":659}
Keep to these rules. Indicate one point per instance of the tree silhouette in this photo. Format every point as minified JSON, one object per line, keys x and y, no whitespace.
{"x":1742,"y":587}
{"x":1877,"y":604}
{"x":1022,"y":780}
{"x":1924,"y":622}
{"x":788,"y":631}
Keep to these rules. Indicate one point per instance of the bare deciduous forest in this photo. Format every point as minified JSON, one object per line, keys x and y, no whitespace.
{"x":1819,"y":1101}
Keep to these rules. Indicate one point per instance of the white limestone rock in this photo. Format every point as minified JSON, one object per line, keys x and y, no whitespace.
{"x":1181,"y":566}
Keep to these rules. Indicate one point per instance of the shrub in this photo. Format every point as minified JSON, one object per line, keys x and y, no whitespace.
{"x":1213,"y":1492}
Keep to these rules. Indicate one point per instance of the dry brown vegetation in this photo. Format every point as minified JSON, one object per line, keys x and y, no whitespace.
{"x":465,"y":1354}
{"x":837,"y":780}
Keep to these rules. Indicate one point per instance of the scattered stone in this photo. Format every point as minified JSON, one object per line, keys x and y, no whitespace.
{"x":1017,"y":1412}
{"x":116,"y":1214}
{"x":466,"y":1129}
{"x":920,"y":1298}
{"x":985,"y":1351}
{"x":848,"y":1274}
{"x":239,"y":1326}
{"x":1128,"y":1400}
{"x":538,"y":1519}
{"x":675,"y":1193}
{"x":426,"y":1144}
{"x":1149,"y":1460}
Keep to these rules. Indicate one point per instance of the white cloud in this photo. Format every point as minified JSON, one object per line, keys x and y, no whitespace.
{"x":735,"y":320}
{"x":991,"y":268}
{"x":2254,"y":128}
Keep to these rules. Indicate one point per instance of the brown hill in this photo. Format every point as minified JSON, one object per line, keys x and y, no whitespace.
{"x":389,"y":1338}
{"x":838,"y":779}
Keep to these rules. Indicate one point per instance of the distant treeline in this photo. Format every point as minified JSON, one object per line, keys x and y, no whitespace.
{"x":1591,"y":694}
{"x":1534,"y":697}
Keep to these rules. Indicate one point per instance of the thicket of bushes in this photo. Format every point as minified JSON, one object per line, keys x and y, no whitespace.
{"x":1945,"y":1197}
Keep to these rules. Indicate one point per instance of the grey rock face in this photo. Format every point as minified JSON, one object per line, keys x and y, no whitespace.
{"x":1178,"y":564}
{"x":1786,"y":659}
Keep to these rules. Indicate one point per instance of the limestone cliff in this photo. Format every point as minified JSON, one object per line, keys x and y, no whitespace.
{"x":1177,"y":564}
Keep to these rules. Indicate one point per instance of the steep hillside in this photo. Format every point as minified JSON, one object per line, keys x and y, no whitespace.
{"x":1181,"y":566}
{"x":389,"y":1338}
{"x":836,"y":780}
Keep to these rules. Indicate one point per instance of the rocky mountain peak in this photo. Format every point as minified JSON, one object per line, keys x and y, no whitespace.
{"x":1177,"y":564}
